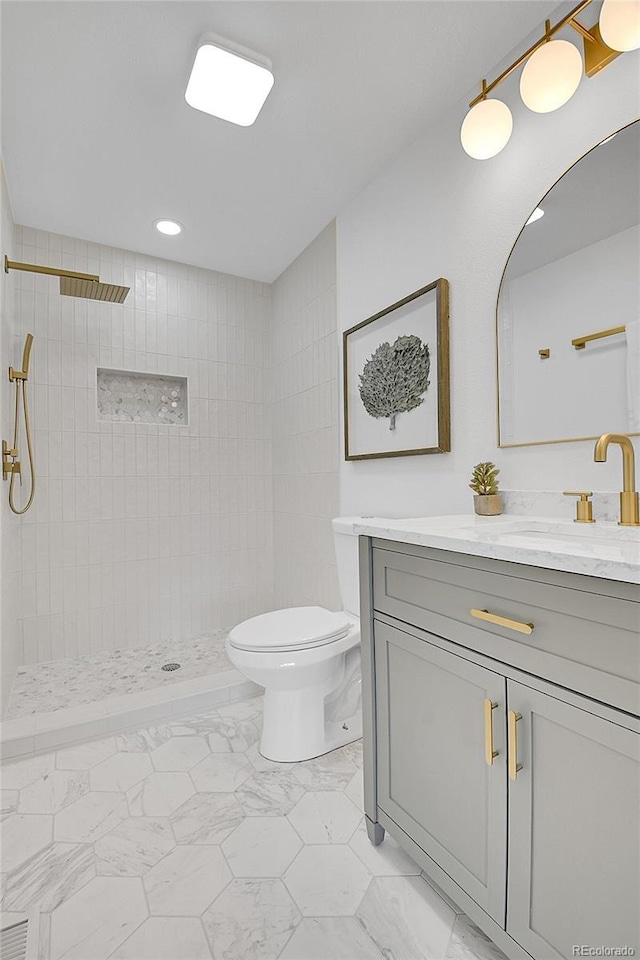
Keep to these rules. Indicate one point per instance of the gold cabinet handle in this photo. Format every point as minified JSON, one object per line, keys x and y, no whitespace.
{"x":489,"y":752}
{"x":514,"y":766}
{"x":502,"y":621}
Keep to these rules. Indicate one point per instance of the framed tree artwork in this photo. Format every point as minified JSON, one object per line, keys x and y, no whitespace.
{"x":396,"y":378}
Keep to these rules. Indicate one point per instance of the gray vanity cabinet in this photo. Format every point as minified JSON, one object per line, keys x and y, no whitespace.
{"x":433,"y":779}
{"x":501,"y":717}
{"x":574,"y":829}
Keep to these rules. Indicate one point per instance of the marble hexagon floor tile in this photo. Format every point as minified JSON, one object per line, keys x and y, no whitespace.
{"x":184,"y":883}
{"x":330,"y":938}
{"x":325,"y":817}
{"x":179,"y":753}
{"x":96,"y":920}
{"x":22,"y":836}
{"x":251,"y":920}
{"x":221,"y":773}
{"x":48,"y":878}
{"x":207,"y":818}
{"x":53,"y":791}
{"x":270,"y":793}
{"x":120,"y":772}
{"x":133,"y":847}
{"x":20,"y":773}
{"x":165,"y":938}
{"x":160,"y":794}
{"x":91,"y":817}
{"x":270,"y":860}
{"x":405,"y":917}
{"x":261,"y":847}
{"x":327,"y":881}
{"x":468,"y":942}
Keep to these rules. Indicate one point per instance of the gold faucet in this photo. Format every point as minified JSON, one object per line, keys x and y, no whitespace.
{"x":629,"y":509}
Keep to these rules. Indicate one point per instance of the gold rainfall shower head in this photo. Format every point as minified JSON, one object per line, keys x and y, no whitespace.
{"x":73,"y":284}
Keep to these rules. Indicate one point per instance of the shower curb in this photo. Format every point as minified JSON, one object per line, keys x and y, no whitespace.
{"x":39,"y":733}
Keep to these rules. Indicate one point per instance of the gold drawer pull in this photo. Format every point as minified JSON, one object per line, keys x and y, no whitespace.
{"x":502,"y":621}
{"x":489,"y":752}
{"x":514,"y":766}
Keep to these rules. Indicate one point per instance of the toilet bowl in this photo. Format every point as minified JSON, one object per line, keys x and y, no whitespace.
{"x":308,"y":661}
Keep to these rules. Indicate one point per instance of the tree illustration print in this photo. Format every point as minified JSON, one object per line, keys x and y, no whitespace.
{"x":395,"y":378}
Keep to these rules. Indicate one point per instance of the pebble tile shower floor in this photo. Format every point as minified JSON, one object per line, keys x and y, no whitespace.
{"x":44,"y":687}
{"x":180,"y":842}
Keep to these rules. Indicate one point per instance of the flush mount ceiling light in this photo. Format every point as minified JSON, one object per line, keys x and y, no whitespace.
{"x":228,"y":81}
{"x":171,"y":228}
{"x":552,"y":72}
{"x":537,"y":214}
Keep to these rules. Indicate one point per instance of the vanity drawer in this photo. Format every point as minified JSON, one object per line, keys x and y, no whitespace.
{"x":580,"y":639}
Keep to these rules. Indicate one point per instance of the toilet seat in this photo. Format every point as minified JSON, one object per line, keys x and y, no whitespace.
{"x":297,"y":628}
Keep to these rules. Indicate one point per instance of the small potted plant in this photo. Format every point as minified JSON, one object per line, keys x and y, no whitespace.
{"x":484,"y":483}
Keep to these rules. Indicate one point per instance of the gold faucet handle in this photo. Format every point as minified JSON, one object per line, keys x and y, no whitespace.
{"x":584,"y":506}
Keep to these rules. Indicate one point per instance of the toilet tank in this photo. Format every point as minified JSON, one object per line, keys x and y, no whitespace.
{"x":346,"y":547}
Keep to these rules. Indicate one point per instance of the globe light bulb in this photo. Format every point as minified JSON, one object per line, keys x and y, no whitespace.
{"x":620,"y":24}
{"x":551,"y":76}
{"x":486,"y":129}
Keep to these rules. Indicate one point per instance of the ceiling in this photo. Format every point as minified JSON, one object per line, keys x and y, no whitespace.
{"x":98,"y":141}
{"x":596,"y":198}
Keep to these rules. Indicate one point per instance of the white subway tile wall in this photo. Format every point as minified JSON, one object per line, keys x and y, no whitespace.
{"x":141,"y":532}
{"x":305,"y":426}
{"x":10,"y":525}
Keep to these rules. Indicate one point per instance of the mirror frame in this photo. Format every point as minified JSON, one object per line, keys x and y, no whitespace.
{"x":539,"y":443}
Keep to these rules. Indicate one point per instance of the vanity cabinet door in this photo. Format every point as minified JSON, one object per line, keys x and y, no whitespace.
{"x":433,"y":777}
{"x":574,"y":829}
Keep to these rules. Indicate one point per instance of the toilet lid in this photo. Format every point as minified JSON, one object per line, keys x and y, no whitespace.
{"x":297,"y":628}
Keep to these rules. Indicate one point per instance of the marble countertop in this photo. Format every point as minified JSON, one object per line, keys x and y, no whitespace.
{"x":601,"y":549}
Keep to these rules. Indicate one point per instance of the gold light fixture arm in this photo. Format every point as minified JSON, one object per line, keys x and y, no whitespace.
{"x":593,"y":61}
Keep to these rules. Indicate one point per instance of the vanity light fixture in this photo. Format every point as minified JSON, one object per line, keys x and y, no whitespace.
{"x":228,"y":81}
{"x":620,"y":24}
{"x":537,"y":214}
{"x":552,"y":72}
{"x":171,"y":228}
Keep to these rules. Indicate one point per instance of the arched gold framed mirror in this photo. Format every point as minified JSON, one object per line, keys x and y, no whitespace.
{"x":568,"y":311}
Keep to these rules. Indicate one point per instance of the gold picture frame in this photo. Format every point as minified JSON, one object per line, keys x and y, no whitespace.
{"x":421,"y":316}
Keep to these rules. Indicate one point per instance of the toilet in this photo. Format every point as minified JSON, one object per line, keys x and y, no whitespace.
{"x":308,"y":661}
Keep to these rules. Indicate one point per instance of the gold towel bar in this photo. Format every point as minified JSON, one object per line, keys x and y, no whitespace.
{"x":580,"y":342}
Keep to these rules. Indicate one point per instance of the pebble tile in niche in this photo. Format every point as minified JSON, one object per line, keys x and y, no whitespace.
{"x":141,"y":397}
{"x":44,"y":687}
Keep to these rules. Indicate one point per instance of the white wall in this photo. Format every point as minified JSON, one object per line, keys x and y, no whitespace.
{"x":436,"y":212}
{"x":10,"y":594}
{"x":142,"y":532}
{"x":305,"y":426}
{"x":572,"y":393}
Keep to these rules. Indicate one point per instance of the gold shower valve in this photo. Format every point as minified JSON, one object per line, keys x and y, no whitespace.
{"x":9,"y":463}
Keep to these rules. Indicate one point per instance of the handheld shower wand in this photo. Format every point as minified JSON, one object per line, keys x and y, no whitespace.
{"x":11,"y":466}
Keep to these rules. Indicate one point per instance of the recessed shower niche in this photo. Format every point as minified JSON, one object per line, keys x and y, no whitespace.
{"x":126,"y":396}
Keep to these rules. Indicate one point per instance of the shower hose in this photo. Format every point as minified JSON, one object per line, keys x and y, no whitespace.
{"x":21,"y":383}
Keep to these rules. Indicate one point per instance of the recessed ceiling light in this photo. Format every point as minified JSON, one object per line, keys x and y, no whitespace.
{"x":228,"y":81}
{"x":170,"y":227}
{"x":537,"y":213}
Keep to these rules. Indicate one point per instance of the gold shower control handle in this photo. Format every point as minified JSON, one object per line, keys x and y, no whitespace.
{"x":501,"y":621}
{"x":514,"y":766}
{"x":489,"y":753}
